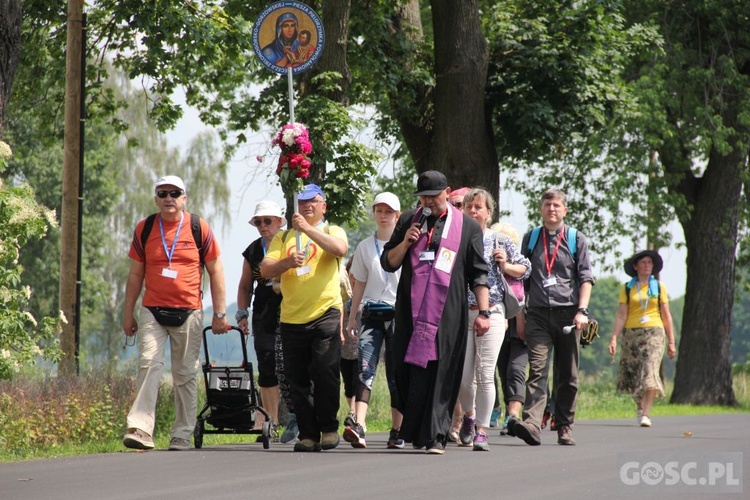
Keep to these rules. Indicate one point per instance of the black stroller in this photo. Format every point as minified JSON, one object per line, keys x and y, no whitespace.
{"x":231,"y":399}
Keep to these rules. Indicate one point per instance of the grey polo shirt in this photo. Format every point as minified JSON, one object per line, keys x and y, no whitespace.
{"x":570,"y":273}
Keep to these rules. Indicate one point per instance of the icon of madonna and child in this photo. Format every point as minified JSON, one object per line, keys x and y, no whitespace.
{"x":291,"y":47}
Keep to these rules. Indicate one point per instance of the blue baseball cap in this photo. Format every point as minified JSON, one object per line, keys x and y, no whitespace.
{"x":309,"y":192}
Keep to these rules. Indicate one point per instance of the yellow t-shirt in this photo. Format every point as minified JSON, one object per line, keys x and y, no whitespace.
{"x":306,"y":297}
{"x":635,"y":307}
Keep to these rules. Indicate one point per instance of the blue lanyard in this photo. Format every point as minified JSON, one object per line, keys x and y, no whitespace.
{"x":263,"y":244}
{"x":170,"y":252}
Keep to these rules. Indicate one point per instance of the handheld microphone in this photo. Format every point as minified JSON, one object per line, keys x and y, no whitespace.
{"x":426,"y":212}
{"x":569,"y":329}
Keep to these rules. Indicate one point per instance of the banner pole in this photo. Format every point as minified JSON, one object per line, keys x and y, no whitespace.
{"x":295,"y":201}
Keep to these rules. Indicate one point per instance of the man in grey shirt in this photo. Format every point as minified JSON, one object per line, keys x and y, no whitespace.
{"x":558,"y":293}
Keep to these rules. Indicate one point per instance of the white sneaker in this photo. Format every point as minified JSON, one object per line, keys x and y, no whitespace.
{"x":644,"y":421}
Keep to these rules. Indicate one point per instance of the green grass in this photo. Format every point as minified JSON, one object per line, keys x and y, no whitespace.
{"x":48,"y":418}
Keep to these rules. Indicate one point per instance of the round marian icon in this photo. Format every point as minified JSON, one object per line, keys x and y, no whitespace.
{"x":286,"y":35}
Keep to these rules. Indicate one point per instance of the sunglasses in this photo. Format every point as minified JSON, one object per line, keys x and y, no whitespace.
{"x":175,"y":193}
{"x":258,"y":222}
{"x":459,"y":205}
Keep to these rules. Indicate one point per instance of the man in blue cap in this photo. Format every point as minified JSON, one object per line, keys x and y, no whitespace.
{"x":311,"y":317}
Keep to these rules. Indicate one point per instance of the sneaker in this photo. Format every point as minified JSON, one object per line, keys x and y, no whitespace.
{"x":552,"y":424}
{"x":394,"y":441}
{"x":528,"y":432}
{"x":495,"y":417}
{"x":466,"y":435}
{"x":545,"y":419}
{"x":453,"y":435}
{"x":644,"y":421}
{"x":138,"y":440}
{"x":350,"y":420}
{"x":306,"y":445}
{"x":504,"y":427}
{"x":510,"y":424}
{"x":481,"y":443}
{"x":435,"y":448}
{"x":291,"y":431}
{"x":179,"y":444}
{"x":565,"y":436}
{"x":355,"y":436}
{"x":330,"y":440}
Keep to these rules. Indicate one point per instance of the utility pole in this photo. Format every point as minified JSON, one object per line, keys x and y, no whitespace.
{"x":70,"y":220}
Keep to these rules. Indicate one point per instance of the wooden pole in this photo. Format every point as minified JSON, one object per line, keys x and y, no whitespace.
{"x":69,"y":245}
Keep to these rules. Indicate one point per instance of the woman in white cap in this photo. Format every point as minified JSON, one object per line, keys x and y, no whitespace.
{"x":268,"y":220}
{"x":644,"y":314}
{"x":374,"y":295}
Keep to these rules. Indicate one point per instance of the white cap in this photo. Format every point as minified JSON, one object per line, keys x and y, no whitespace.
{"x":389,"y":199}
{"x":170,"y":180}
{"x":267,"y":208}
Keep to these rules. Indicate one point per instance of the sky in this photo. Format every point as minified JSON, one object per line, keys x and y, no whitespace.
{"x":248,"y":187}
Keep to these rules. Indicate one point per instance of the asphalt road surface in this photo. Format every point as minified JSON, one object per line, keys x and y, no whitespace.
{"x":679,"y":457}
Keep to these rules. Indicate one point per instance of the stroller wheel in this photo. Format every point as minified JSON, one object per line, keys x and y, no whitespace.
{"x":266,"y":434}
{"x":198,"y":434}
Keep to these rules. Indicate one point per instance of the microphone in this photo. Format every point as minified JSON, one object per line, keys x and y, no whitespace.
{"x":426,"y":212}
{"x":569,"y":329}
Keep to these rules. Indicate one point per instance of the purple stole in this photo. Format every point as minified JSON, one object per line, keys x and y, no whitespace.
{"x":429,"y":288}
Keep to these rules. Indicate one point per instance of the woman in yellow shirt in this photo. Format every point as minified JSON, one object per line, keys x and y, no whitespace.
{"x":644,"y":314}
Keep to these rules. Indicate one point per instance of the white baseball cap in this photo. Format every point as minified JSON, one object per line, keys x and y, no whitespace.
{"x":267,"y":208}
{"x":170,"y":180}
{"x":389,"y":199}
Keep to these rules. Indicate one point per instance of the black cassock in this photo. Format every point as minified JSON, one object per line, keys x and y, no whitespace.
{"x":426,"y":396}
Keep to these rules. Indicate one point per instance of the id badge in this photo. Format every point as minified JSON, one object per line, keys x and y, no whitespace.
{"x":551,"y":281}
{"x":645,"y":319}
{"x":169,"y":273}
{"x":301,"y":271}
{"x":426,"y":255}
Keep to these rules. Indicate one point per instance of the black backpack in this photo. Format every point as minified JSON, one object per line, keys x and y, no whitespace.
{"x":195,"y":226}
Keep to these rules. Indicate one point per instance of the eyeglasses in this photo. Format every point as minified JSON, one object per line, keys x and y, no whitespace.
{"x":459,"y":205}
{"x":310,"y":202}
{"x":258,"y":222}
{"x":175,"y":193}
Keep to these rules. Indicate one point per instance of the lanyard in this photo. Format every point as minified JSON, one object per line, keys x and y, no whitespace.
{"x":309,"y":240}
{"x":386,"y":276}
{"x":429,"y":233}
{"x":550,"y":261}
{"x":644,"y":303}
{"x":170,"y":252}
{"x":263,"y":245}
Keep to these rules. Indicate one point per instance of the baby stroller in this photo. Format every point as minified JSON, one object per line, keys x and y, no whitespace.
{"x":231,"y":399}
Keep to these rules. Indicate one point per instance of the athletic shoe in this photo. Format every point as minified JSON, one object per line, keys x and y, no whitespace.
{"x":552,"y":423}
{"x":644,"y":421}
{"x":528,"y":432}
{"x":495,"y":417}
{"x":466,"y":435}
{"x":545,"y":419}
{"x":179,"y":444}
{"x":306,"y":445}
{"x":453,"y":435}
{"x":291,"y":431}
{"x":138,"y":440}
{"x":481,"y":442}
{"x":355,"y":436}
{"x":330,"y":440}
{"x":350,"y":420}
{"x":510,"y":424}
{"x":565,"y":436}
{"x":394,"y":441}
{"x":435,"y":448}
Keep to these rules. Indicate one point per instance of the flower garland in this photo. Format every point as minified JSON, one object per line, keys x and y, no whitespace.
{"x":294,"y":163}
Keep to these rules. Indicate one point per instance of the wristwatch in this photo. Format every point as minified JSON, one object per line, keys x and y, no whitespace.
{"x":485,"y":312}
{"x":240,"y":315}
{"x":583,"y":311}
{"x":220,"y":315}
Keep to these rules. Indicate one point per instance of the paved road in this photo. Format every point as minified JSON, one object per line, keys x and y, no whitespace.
{"x":592,"y":469}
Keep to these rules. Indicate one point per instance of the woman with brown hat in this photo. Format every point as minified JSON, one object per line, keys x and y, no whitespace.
{"x":644,"y":314}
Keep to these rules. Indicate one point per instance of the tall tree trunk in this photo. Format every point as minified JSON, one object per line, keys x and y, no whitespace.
{"x":10,"y":49}
{"x":462,"y":145}
{"x":704,"y":372}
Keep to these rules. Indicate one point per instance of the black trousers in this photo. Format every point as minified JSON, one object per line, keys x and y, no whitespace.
{"x":312,"y":354}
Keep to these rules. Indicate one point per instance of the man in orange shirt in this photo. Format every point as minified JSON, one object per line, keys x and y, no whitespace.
{"x":169,"y":261}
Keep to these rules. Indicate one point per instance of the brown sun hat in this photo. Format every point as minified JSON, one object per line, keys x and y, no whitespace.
{"x":632,"y":261}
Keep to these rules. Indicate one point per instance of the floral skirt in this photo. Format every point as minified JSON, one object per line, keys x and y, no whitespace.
{"x":641,"y":355}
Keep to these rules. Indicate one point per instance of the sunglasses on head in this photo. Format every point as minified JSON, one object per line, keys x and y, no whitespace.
{"x":266,"y":221}
{"x":175,"y":193}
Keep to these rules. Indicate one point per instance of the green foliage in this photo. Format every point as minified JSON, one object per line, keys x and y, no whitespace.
{"x":22,"y":336}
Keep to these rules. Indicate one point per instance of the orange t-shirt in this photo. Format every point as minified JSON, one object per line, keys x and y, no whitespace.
{"x":184,"y":290}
